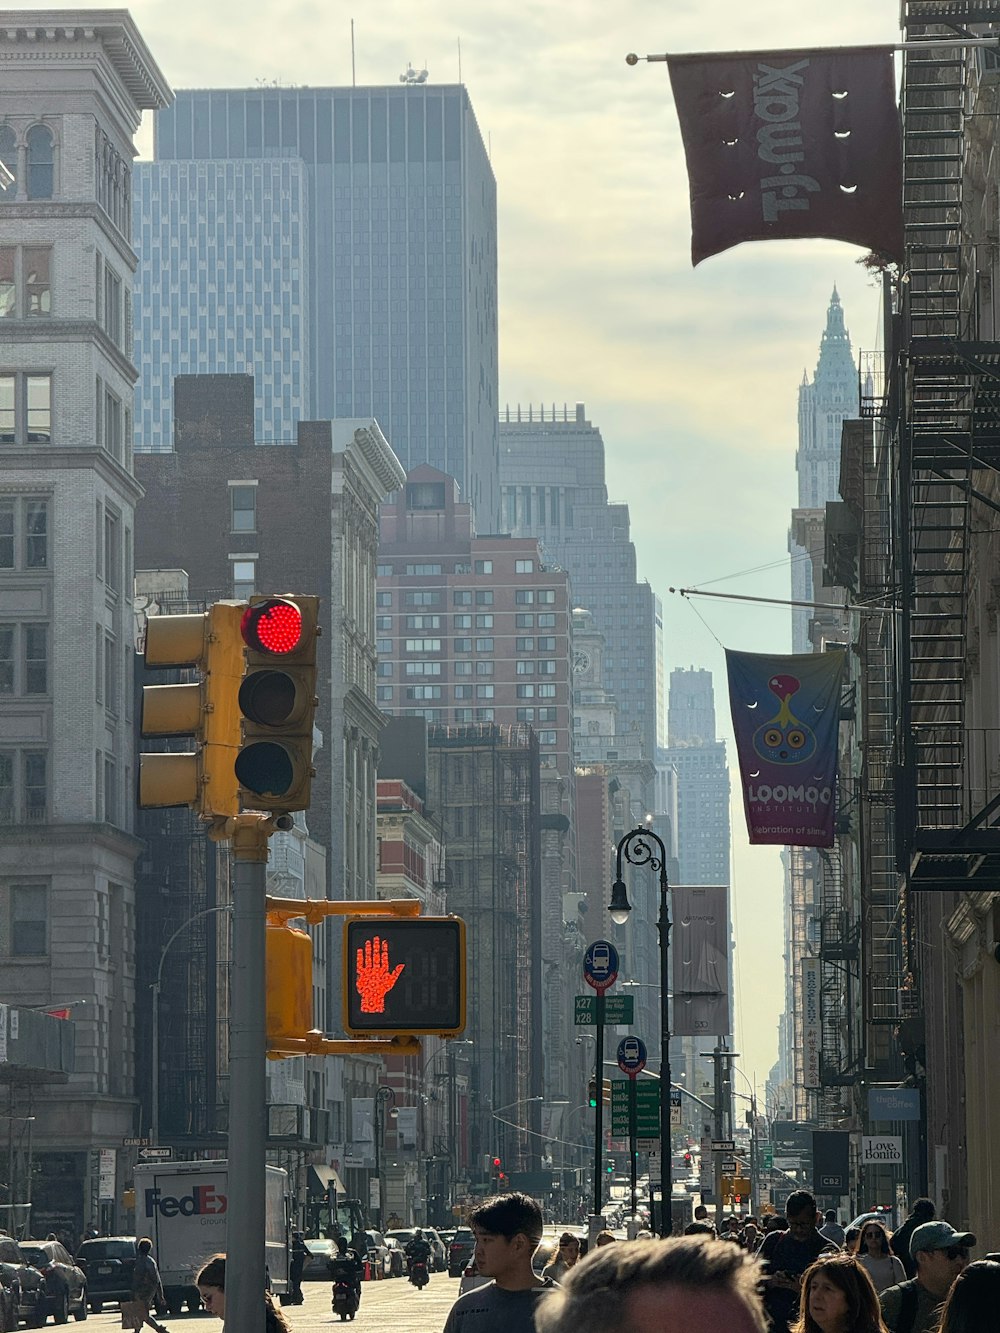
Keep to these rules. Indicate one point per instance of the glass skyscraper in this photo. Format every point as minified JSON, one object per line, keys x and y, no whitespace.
{"x":401,"y":303}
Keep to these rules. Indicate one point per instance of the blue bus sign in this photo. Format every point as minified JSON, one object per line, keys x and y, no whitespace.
{"x":631,"y":1056}
{"x":600,"y":965}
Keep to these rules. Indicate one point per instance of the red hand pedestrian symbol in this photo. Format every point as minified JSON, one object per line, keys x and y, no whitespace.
{"x":374,"y":979}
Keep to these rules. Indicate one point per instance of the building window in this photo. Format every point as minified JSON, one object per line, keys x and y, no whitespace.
{"x":525,"y":668}
{"x":463,"y":714}
{"x":484,"y":566}
{"x":417,"y":646}
{"x":524,"y":566}
{"x":425,"y":495}
{"x":461,"y":597}
{"x":25,"y":408}
{"x":525,"y":645}
{"x":485,"y":691}
{"x":524,"y":620}
{"x":383,"y":645}
{"x":525,"y":691}
{"x":25,"y":281}
{"x":423,"y":692}
{"x":547,"y":667}
{"x":36,"y":658}
{"x":27,"y":801}
{"x":423,"y":569}
{"x":485,"y":620}
{"x":383,"y":622}
{"x":484,"y":714}
{"x":524,"y":596}
{"x":110,"y":413}
{"x":484,"y":668}
{"x":547,"y":715}
{"x":525,"y":715}
{"x":546,"y":691}
{"x":8,"y":161}
{"x":8,"y":287}
{"x":546,"y":738}
{"x":462,"y":668}
{"x":547,"y":596}
{"x":463,"y":691}
{"x":244,"y":577}
{"x":484,"y":597}
{"x":422,"y":599}
{"x":383,"y":669}
{"x":383,"y":571}
{"x":383,"y":693}
{"x":242,"y":506}
{"x":28,"y":920}
{"x":546,"y":620}
{"x":462,"y":646}
{"x":547,"y":643}
{"x":24,"y":534}
{"x":383,"y":599}
{"x":423,"y":622}
{"x":484,"y":645}
{"x":41,"y":163}
{"x":461,"y":622}
{"x":423,"y":668}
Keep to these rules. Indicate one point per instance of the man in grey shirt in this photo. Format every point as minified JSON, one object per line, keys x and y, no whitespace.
{"x":507,"y":1229}
{"x":940,"y":1253}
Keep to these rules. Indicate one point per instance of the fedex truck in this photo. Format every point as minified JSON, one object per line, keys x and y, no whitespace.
{"x":183,"y":1206}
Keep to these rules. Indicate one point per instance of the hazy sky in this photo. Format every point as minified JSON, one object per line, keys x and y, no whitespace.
{"x":691,"y":375}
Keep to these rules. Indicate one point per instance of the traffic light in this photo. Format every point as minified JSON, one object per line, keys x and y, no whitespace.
{"x":204,"y":777}
{"x":278,"y":701}
{"x":288,"y":980}
{"x":592,"y":1092}
{"x":404,"y":975}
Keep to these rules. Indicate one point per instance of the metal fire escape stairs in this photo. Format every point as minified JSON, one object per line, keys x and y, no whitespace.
{"x":940,"y":840}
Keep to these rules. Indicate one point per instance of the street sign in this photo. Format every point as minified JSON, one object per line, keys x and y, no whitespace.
{"x":729,"y":1165}
{"x":767,"y":1157}
{"x":161,"y":1154}
{"x":618,"y":1010}
{"x":600,"y":965}
{"x":135,"y":1143}
{"x":650,"y":1146}
{"x":631,"y":1056}
{"x":723,"y":1145}
{"x":647,"y":1108}
{"x":675,"y":1108}
{"x":877,"y":1148}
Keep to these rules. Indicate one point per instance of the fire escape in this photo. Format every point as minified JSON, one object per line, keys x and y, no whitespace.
{"x":949,"y":430}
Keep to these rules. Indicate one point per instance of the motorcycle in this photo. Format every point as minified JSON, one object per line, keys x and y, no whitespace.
{"x":345,"y":1300}
{"x":418,"y":1273}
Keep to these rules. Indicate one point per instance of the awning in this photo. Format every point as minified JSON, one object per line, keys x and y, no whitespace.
{"x":323,"y":1178}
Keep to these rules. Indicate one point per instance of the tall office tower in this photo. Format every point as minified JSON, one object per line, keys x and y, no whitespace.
{"x":400,"y":210}
{"x":552,"y":488}
{"x":72,"y":86}
{"x":823,"y":405}
{"x":477,"y":629}
{"x":222,"y":287}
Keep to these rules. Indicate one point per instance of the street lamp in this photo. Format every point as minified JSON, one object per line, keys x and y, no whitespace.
{"x":155,"y":988}
{"x":636,"y":848}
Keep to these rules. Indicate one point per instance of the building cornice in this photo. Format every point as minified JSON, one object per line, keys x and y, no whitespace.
{"x":372,"y":449}
{"x":65,"y":835}
{"x":53,"y":211}
{"x":57,"y":332}
{"x":47,"y":458}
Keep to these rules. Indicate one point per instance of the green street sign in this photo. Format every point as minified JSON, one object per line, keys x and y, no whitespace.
{"x":767,"y":1157}
{"x":647,"y":1108}
{"x":618,"y":1009}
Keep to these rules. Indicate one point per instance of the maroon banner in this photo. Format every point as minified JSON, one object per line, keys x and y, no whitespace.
{"x":788,"y":144}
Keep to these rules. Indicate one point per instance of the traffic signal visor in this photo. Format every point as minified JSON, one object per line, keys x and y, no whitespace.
{"x":278,"y":702}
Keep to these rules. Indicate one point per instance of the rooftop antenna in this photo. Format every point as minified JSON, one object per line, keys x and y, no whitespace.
{"x":459,"y":59}
{"x":354,"y":81}
{"x":412,"y":75}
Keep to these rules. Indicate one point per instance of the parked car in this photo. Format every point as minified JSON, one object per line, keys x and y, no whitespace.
{"x":25,"y":1283}
{"x":397,"y":1256}
{"x":439,"y":1255}
{"x":107,"y":1263}
{"x":378,"y":1253}
{"x":65,"y":1286}
{"x":460,"y":1251}
{"x":8,"y":1301}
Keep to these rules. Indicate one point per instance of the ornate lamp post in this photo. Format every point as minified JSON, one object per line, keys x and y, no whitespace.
{"x":637,"y":849}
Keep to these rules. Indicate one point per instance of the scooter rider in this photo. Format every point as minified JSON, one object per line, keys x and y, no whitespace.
{"x":346,"y":1266}
{"x":418,"y":1250}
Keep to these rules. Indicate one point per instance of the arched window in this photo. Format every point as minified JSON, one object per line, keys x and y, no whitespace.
{"x":8,"y":159}
{"x":41,"y":170}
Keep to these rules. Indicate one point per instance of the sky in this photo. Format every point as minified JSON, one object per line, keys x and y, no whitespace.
{"x":691,"y":374}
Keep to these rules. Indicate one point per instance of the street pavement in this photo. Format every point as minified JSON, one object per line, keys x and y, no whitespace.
{"x":392,"y":1306}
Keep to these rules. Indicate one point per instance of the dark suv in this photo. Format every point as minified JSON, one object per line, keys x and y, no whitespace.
{"x":460,"y":1251}
{"x":108,"y":1262}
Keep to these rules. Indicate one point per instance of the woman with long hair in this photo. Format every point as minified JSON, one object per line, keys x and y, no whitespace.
{"x":211,"y":1284}
{"x":878,"y":1260}
{"x":838,"y":1297}
{"x":974,"y":1300}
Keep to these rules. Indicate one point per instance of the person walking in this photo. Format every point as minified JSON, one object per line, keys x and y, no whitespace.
{"x":974,"y":1300}
{"x":211,"y":1284}
{"x":565,"y":1258}
{"x":507,"y":1229}
{"x":831,"y":1228}
{"x":940,"y":1253}
{"x":787,"y":1255}
{"x":921,"y":1212}
{"x":694,"y":1283}
{"x":838,"y":1297}
{"x":877,"y":1259}
{"x":296,"y":1264}
{"x":147,"y":1289}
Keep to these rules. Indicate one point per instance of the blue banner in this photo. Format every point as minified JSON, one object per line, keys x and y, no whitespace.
{"x":786,"y":712}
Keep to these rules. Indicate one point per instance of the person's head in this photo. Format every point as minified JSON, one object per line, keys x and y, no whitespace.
{"x":700,"y":1213}
{"x":144,"y":1246}
{"x":211,"y":1284}
{"x":699,"y":1229}
{"x":417,"y":1234}
{"x":940,"y":1253}
{"x":852,"y":1239}
{"x":342,"y":1244}
{"x":973,"y":1300}
{"x":838,"y":1296}
{"x":775,"y":1222}
{"x":654,"y":1286}
{"x":800,"y":1212}
{"x":922,"y":1210}
{"x":507,"y":1229}
{"x":605,"y":1238}
{"x":873,"y":1239}
{"x":830,"y":1215}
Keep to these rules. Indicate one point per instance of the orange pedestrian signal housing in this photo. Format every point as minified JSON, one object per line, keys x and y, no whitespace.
{"x":289,"y":980}
{"x":404,"y":975}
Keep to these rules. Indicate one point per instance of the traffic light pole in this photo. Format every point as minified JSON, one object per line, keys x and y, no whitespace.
{"x":247,"y":1080}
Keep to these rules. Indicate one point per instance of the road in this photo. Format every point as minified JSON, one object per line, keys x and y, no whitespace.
{"x":393,"y":1304}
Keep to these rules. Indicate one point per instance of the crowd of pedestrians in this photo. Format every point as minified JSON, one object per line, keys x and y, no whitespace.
{"x":797,"y":1273}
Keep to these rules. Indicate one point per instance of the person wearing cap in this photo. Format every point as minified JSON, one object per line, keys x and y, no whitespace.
{"x":940,"y":1254}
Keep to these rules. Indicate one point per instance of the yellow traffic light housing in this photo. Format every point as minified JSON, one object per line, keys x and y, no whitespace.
{"x":278,"y":702}
{"x":289,"y":980}
{"x":202,"y":778}
{"x":404,"y":975}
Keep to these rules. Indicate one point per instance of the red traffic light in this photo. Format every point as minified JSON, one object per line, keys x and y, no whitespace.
{"x":274,"y":626}
{"x":496,"y":1163}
